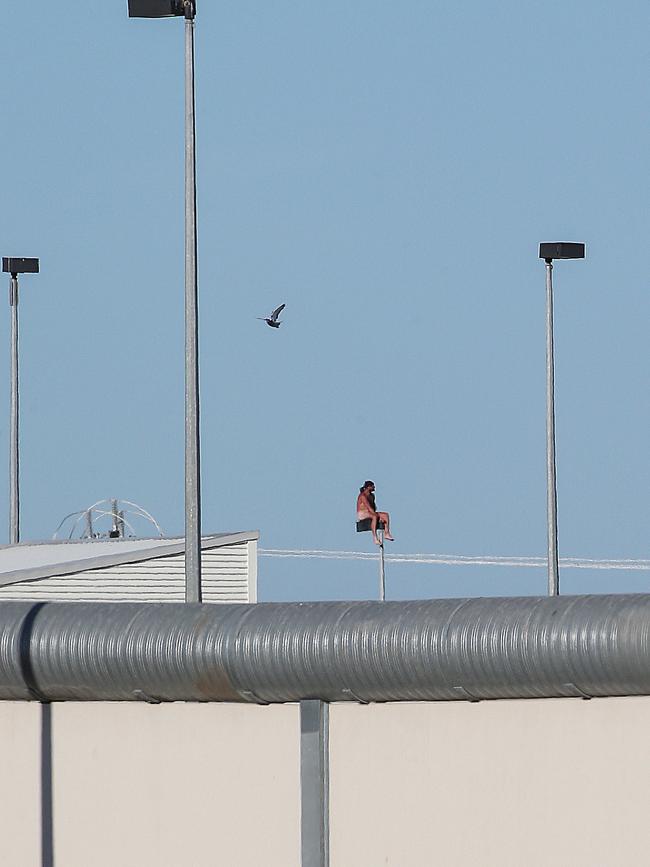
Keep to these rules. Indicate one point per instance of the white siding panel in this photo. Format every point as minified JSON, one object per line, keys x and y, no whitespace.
{"x":225,"y":578}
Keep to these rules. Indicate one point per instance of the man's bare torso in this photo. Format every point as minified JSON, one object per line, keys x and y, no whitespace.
{"x":364,"y":509}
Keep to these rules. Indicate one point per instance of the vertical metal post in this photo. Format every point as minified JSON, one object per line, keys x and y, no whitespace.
{"x":47,"y":817}
{"x":551,"y":485}
{"x":382,"y":567}
{"x":115,"y":520}
{"x":314,"y":783}
{"x":192,"y":434}
{"x":14,"y":493}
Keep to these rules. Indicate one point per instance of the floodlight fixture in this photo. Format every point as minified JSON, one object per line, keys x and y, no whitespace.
{"x":561,"y":250}
{"x":550,"y":251}
{"x":15,"y":265}
{"x":161,"y":8}
{"x":19,"y":265}
{"x":187,"y":9}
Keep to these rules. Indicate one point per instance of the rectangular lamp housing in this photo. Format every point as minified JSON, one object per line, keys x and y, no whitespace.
{"x":155,"y":8}
{"x":17,"y":265}
{"x":561,"y":250}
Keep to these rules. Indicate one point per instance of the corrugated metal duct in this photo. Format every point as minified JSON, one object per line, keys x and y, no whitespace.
{"x":446,"y":649}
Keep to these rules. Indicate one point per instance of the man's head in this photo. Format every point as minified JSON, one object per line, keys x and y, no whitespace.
{"x":369,"y":486}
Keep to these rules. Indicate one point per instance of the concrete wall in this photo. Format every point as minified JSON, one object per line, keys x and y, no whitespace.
{"x":20,"y":784}
{"x":539,"y":782}
{"x":137,"y":785}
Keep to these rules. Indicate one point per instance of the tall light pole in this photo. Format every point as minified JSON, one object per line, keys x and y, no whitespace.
{"x":187,"y":9}
{"x":15,"y":266}
{"x":548,"y":252}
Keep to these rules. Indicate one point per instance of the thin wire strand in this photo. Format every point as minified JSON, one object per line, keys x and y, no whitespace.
{"x":459,"y":559}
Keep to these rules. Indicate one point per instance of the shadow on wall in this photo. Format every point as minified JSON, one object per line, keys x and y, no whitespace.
{"x":27,"y":671}
{"x":47,"y":830}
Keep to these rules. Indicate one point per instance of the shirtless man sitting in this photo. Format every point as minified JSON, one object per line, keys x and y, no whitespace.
{"x":366,"y":508}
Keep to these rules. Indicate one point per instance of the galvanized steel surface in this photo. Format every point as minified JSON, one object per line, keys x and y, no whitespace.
{"x":447,"y":649}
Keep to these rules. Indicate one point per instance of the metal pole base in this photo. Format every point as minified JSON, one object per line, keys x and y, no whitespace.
{"x":314,"y":783}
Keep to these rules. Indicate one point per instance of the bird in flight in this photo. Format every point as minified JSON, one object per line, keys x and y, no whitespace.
{"x":273,"y":320}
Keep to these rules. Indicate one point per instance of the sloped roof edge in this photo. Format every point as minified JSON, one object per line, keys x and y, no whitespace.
{"x":168,"y":547}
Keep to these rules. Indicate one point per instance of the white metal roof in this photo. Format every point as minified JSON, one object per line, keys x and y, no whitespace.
{"x":29,"y":561}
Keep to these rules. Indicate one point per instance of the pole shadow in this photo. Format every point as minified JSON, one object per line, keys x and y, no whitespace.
{"x":47,"y":824}
{"x":29,"y":679}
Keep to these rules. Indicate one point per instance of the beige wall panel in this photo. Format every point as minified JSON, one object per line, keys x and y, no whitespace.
{"x":176,"y":785}
{"x":225,"y":578}
{"x":20,"y":789}
{"x":536,"y":783}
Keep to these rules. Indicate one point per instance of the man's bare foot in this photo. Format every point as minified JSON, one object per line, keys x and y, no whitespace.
{"x":376,"y":540}
{"x":390,"y":538}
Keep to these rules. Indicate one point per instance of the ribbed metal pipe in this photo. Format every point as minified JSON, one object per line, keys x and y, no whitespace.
{"x":446,"y":649}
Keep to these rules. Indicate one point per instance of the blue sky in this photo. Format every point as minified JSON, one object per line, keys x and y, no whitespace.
{"x":387,"y":171}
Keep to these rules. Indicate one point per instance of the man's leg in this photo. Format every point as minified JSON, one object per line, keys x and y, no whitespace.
{"x":373,"y":527}
{"x":385,"y":517}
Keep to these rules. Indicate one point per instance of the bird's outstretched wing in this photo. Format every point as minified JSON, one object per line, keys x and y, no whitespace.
{"x":277,"y":312}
